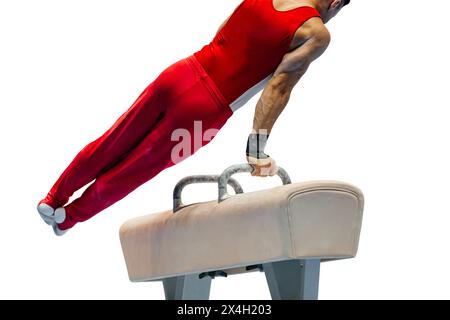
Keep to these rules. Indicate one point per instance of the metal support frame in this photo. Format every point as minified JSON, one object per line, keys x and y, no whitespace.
{"x":294,"y":279}
{"x":189,"y":287}
{"x":287,"y":280}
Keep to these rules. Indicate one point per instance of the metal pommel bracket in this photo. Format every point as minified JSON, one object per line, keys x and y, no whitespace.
{"x":243,"y":168}
{"x":178,"y":203}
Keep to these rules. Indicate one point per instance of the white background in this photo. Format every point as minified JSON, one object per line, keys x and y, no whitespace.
{"x":373,"y":111}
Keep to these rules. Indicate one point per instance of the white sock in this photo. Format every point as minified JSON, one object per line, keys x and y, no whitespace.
{"x":46,"y":212}
{"x":60,"y":215}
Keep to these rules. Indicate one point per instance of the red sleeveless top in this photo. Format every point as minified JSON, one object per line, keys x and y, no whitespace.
{"x":250,"y":46}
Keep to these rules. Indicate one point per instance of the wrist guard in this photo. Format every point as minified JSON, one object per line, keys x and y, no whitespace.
{"x":256,"y":145}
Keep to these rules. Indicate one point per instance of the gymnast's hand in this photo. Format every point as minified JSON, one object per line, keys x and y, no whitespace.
{"x":263,"y":167}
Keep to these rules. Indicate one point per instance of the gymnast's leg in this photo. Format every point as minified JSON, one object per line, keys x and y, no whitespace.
{"x":106,"y":151}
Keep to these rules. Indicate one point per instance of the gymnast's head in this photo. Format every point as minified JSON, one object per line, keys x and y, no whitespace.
{"x":330,"y":8}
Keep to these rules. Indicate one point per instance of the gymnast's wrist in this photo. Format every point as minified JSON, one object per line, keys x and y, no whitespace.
{"x":256,"y":144}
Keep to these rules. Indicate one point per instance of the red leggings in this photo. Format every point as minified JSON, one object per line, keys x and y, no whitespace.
{"x":141,"y":142}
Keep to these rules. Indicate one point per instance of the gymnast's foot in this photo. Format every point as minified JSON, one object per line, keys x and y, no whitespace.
{"x":46,"y":212}
{"x":59,"y":218}
{"x":51,"y":216}
{"x":46,"y":208}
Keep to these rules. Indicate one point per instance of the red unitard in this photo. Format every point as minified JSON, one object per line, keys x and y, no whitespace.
{"x":203,"y":88}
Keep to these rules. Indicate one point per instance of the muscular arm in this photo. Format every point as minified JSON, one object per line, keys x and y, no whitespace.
{"x":277,"y":93}
{"x":315,"y":39}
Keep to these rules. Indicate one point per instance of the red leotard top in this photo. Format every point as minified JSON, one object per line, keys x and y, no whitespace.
{"x":247,"y":50}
